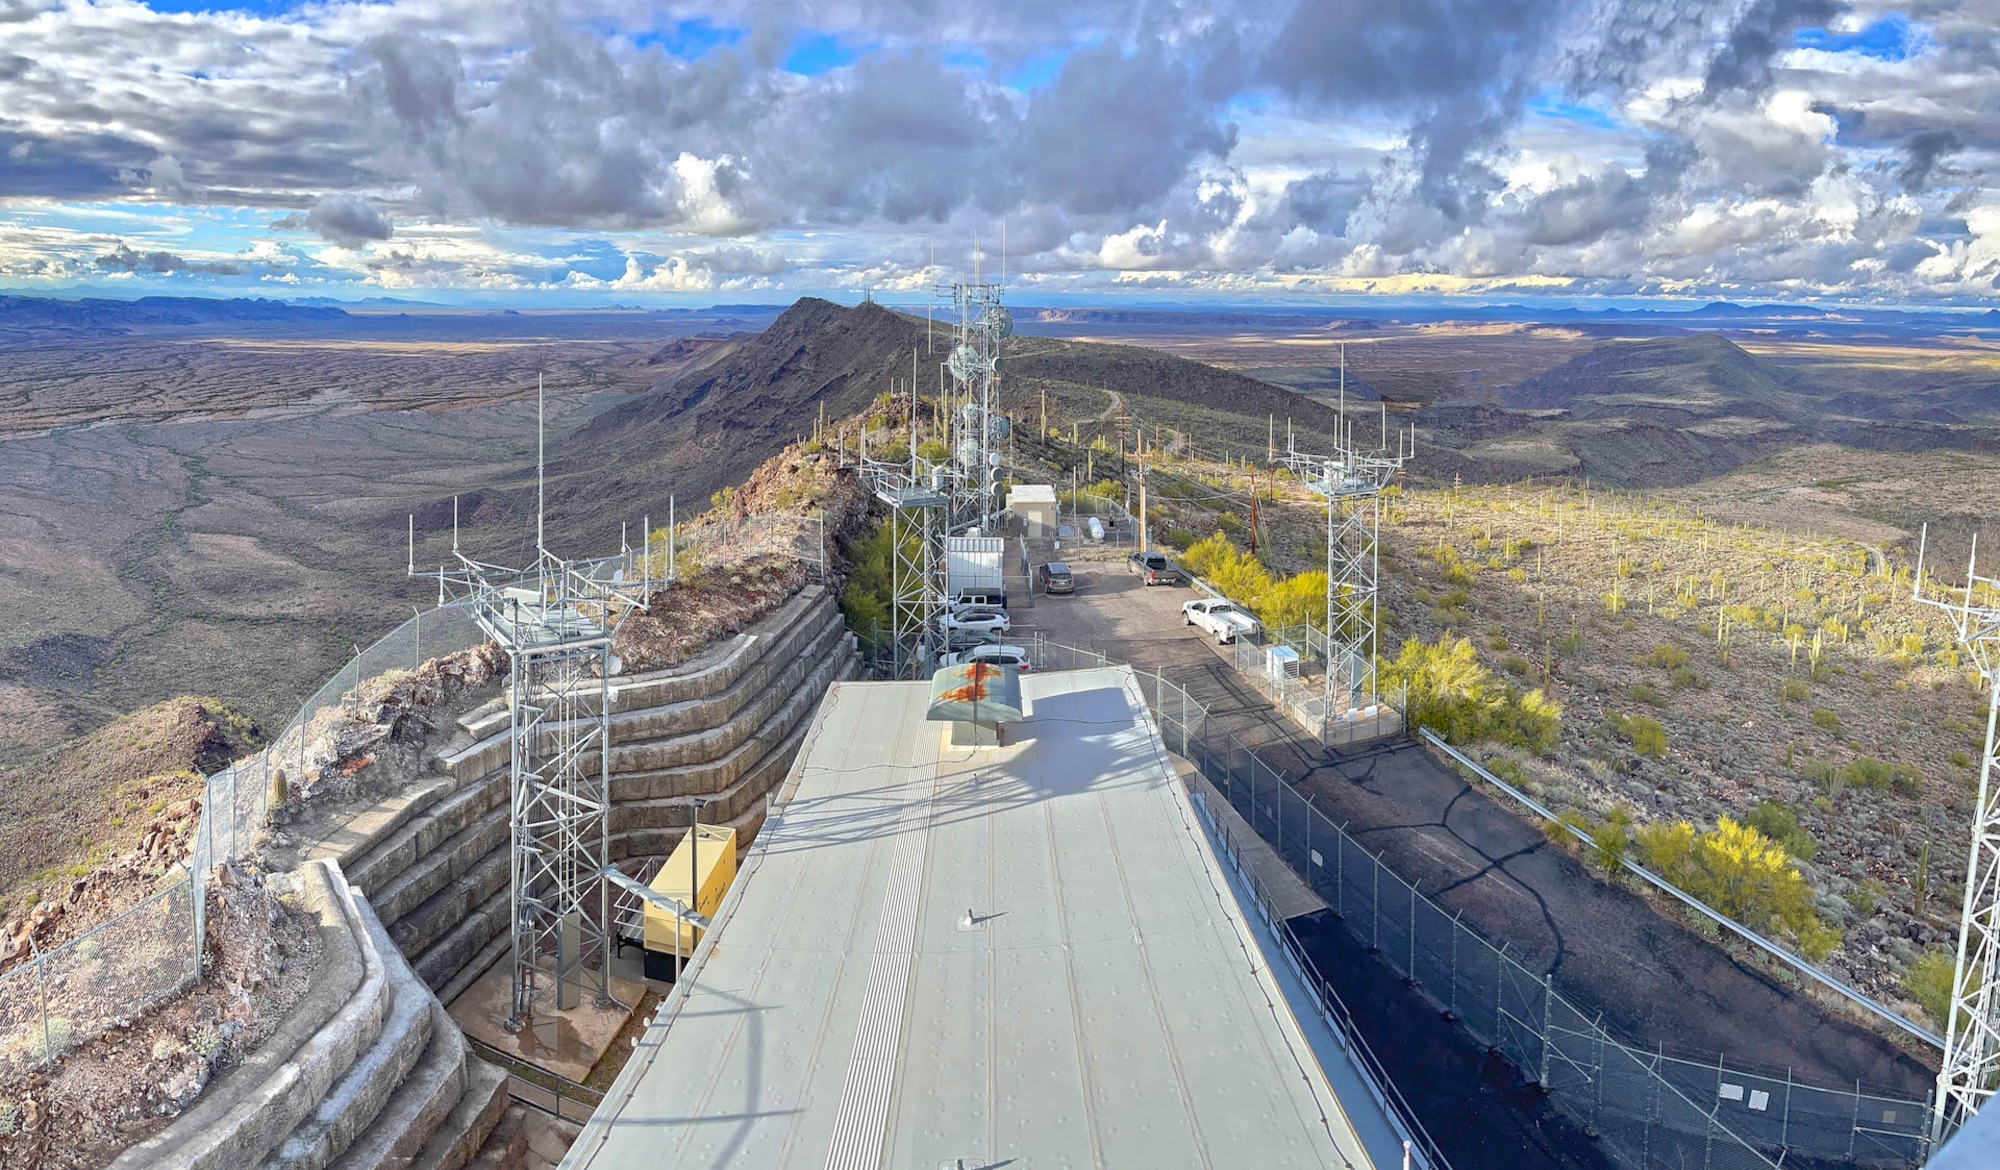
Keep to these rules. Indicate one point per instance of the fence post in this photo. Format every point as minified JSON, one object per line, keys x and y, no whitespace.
{"x":1548,"y":995}
{"x":1856,"y":1123}
{"x":1339,"y":872}
{"x":1375,"y":903}
{"x":197,"y":913}
{"x":42,"y":978}
{"x":1785,"y":1122}
{"x":1413,"y":930}
{"x":1455,"y":928}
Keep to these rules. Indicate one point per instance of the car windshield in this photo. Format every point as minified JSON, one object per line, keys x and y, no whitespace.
{"x":1155,"y":560}
{"x":1223,"y":608}
{"x":1058,"y":570}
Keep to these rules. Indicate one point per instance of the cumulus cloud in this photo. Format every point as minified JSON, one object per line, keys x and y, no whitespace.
{"x":122,"y":258}
{"x":1235,"y":144}
{"x":342,"y":218}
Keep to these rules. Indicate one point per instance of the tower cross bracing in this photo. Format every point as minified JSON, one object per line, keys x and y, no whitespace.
{"x":556,"y":621}
{"x":1970,"y":1071}
{"x":1351,"y":483}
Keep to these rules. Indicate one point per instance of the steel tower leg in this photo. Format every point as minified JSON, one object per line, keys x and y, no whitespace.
{"x":1970,"y":1070}
{"x":1352,"y":527}
{"x":559,"y":810}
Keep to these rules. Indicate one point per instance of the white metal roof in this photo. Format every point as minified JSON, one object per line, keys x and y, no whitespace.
{"x":1031,"y":493}
{"x":1025,"y":956}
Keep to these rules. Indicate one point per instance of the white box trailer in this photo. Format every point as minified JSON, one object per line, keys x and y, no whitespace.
{"x":973,"y":564}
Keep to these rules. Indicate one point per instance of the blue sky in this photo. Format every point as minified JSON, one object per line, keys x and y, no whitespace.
{"x":1251,"y":150}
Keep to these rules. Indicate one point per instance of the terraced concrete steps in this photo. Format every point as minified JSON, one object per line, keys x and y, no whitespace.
{"x":366,"y":1073}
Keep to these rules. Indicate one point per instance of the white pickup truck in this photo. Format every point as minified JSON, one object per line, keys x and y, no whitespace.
{"x":1220,"y":618}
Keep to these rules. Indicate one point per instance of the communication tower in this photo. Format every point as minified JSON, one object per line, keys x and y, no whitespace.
{"x":1351,"y":480}
{"x":931,"y":499}
{"x":555,"y":620}
{"x":1970,"y":1071}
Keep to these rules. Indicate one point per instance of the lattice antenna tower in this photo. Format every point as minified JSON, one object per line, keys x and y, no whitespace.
{"x":930,"y":499}
{"x":1351,"y":480}
{"x":1970,"y":1071}
{"x":556,"y":620}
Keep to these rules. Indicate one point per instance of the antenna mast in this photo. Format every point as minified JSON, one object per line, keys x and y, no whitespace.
{"x":1351,"y":481}
{"x":556,"y":622}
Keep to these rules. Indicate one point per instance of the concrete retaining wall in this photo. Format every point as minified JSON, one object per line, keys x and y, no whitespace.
{"x":368,"y":1072}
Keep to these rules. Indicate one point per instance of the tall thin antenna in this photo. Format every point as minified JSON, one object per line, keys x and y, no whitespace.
{"x":540,"y":412}
{"x":1003,"y":249}
{"x":1343,"y":387}
{"x":454,"y":524}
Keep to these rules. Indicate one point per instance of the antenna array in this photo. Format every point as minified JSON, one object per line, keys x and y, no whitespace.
{"x":930,"y":499}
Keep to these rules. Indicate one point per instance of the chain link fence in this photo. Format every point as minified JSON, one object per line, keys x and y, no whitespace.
{"x":1649,"y":1109}
{"x":116,"y":971}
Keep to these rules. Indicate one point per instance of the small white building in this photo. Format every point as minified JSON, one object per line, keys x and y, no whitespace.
{"x":1035,"y":504}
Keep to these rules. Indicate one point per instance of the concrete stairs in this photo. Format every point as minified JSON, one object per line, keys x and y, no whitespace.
{"x":366,"y":1073}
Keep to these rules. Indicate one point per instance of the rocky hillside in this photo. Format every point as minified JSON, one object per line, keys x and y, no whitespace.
{"x":104,"y":792}
{"x":1670,"y":379}
{"x":697,"y":434}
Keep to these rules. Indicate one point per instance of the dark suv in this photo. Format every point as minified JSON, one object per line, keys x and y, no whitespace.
{"x":1153,"y":568}
{"x":1056,"y":578}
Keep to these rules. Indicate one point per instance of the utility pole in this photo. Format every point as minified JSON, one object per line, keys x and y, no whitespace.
{"x":1144,"y":543}
{"x":1253,"y":511}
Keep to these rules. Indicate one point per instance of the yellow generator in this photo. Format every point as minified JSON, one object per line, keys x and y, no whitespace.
{"x":704,"y":864}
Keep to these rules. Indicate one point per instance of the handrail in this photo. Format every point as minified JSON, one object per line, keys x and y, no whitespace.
{"x":1797,"y":962}
{"x":562,"y":1090}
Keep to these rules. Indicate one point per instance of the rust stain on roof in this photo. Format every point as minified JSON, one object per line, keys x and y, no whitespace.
{"x":973,"y":689}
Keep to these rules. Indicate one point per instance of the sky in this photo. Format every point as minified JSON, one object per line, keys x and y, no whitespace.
{"x":618,"y":151}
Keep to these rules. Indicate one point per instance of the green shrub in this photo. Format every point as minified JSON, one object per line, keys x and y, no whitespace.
{"x":1683,"y":678}
{"x":1515,"y":665}
{"x":1826,"y":720}
{"x":1644,"y":733}
{"x":1929,"y":983}
{"x":1609,"y":840}
{"x":1455,"y":696}
{"x":1666,"y":656}
{"x":1776,"y":821}
{"x":1741,"y":874}
{"x":1792,"y":690}
{"x":1641,"y":693}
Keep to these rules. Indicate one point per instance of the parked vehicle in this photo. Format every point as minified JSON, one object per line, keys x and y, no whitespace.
{"x":1220,"y":618}
{"x":1056,"y":578}
{"x":990,"y":598}
{"x":975,"y":618}
{"x":992,"y":652}
{"x":1153,"y":568}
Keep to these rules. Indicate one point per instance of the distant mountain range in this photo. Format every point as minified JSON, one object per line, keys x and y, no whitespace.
{"x":104,"y":315}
